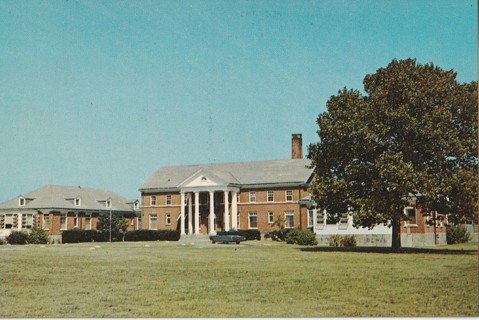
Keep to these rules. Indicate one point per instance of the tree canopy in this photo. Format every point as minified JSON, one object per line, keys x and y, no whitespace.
{"x":412,"y":134}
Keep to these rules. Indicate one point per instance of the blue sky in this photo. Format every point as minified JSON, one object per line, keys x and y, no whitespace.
{"x":103,"y":93}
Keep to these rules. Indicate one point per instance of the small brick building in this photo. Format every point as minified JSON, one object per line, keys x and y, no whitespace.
{"x":58,"y":208}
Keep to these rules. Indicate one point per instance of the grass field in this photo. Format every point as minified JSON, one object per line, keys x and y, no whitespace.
{"x":257,"y":279}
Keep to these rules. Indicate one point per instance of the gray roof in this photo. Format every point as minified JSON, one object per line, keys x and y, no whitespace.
{"x":241,"y":174}
{"x":62,"y":197}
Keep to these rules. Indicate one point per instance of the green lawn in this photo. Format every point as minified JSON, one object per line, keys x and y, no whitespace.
{"x":159,"y":279}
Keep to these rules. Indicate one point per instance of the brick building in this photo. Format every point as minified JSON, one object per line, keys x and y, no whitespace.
{"x":58,"y":208}
{"x":205,"y":199}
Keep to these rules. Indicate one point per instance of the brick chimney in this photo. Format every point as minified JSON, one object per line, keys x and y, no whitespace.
{"x":297,"y":146}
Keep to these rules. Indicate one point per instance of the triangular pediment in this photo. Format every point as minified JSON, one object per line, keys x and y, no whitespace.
{"x":203,"y":178}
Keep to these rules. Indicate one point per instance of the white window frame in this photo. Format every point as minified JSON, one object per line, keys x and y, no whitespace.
{"x":108,"y":203}
{"x":408,"y":222}
{"x":270,"y":217}
{"x":152,"y":201}
{"x":88,"y":221}
{"x":27,"y":221}
{"x":252,"y":196}
{"x":168,"y":219}
{"x":63,"y":225}
{"x":286,"y":195}
{"x":252,"y":214}
{"x":9,"y":219}
{"x":2,"y":221}
{"x":270,"y":194}
{"x":168,"y":200}
{"x":46,"y":222}
{"x":77,"y":202}
{"x":22,"y":202}
{"x":150,"y":216}
{"x":75,"y":221}
{"x":290,"y":214}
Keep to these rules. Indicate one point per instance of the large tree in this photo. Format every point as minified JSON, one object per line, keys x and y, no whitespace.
{"x":412,"y":134}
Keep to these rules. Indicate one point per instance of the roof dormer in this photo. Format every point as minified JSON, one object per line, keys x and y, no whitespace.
{"x":77,"y":201}
{"x":22,"y":201}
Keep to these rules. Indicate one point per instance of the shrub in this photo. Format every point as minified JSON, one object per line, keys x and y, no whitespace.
{"x":152,"y":235}
{"x":348,"y":241}
{"x":280,"y":235}
{"x":18,"y":237}
{"x":2,"y":242}
{"x":335,"y":241}
{"x":249,"y":234}
{"x":38,"y":236}
{"x":75,"y":236}
{"x":301,"y":237}
{"x":457,"y":234}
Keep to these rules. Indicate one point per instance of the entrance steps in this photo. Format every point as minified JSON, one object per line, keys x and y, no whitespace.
{"x":194,"y":238}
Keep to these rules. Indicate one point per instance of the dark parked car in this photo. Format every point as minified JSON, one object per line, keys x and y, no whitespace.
{"x":227,"y":238}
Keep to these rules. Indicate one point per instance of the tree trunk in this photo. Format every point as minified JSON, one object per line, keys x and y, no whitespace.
{"x":396,"y":235}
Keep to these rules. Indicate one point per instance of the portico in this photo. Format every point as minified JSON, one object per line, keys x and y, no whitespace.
{"x":205,"y":182}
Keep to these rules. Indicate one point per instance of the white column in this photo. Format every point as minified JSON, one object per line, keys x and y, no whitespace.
{"x":234,"y":211}
{"x":182,"y":214}
{"x":211,"y":217}
{"x":226,"y":215}
{"x":197,"y":213}
{"x":190,"y":215}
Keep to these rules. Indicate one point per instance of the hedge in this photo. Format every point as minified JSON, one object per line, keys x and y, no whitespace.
{"x":75,"y":236}
{"x":152,"y":235}
{"x":17,"y":237}
{"x":249,"y":234}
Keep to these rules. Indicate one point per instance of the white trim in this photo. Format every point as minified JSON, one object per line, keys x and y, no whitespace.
{"x":270,"y":217}
{"x":149,"y":221}
{"x":22,"y":201}
{"x":267,"y":196}
{"x":252,"y":196}
{"x":286,"y":196}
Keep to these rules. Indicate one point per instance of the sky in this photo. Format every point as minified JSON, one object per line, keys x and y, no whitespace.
{"x":103,"y":93}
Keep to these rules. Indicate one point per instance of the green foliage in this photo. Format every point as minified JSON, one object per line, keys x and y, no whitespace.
{"x":152,"y":235}
{"x":2,"y":242}
{"x":249,"y":234}
{"x":335,"y":240}
{"x":38,"y":236}
{"x":279,"y":235}
{"x":348,"y":241}
{"x":414,"y":132}
{"x":17,"y":237}
{"x":75,"y":236}
{"x":342,"y":241}
{"x":119,"y":226}
{"x":457,"y":234}
{"x":301,"y":237}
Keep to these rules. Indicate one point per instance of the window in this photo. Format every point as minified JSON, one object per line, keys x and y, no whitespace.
{"x":270,"y":217}
{"x":108,"y":203}
{"x":153,"y":201}
{"x":252,"y":196}
{"x":63,"y":221}
{"x":27,"y":221}
{"x":75,"y":221}
{"x":153,"y":222}
{"x":168,"y":199}
{"x":136,"y":205}
{"x":289,"y":195}
{"x":21,"y":201}
{"x":88,"y":222}
{"x":77,"y":202}
{"x":2,"y":221}
{"x":252,"y":220}
{"x":168,"y":219}
{"x":411,"y":215}
{"x":46,"y":221}
{"x":289,"y":217}
{"x":270,"y":196}
{"x":310,"y":218}
{"x":9,"y":221}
